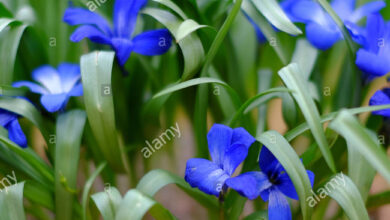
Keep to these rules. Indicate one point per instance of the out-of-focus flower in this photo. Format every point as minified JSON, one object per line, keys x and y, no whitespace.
{"x":9,"y":121}
{"x":272,"y":183}
{"x":228,"y":148}
{"x":374,"y":56}
{"x":321,"y":30}
{"x":98,"y":30}
{"x":381,"y":97}
{"x":56,"y":85}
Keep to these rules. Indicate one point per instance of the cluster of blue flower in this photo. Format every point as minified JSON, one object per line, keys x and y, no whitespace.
{"x":322,"y":32}
{"x":228,"y":149}
{"x":57,"y":85}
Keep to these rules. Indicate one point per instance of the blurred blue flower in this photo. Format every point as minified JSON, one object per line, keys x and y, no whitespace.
{"x":321,"y":30}
{"x":272,"y":183}
{"x":381,"y":97}
{"x":9,"y":121}
{"x":374,"y":56}
{"x":56,"y":85}
{"x":228,"y":148}
{"x":98,"y":30}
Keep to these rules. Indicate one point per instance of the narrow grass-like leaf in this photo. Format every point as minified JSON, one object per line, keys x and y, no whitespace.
{"x":348,"y":197}
{"x":305,"y":55}
{"x":88,"y":186}
{"x":173,"y":7}
{"x":256,"y":101}
{"x":285,"y":154}
{"x":186,"y":28}
{"x":155,"y":180}
{"x":198,"y":81}
{"x":191,"y":46}
{"x":378,"y":200}
{"x":12,"y":91}
{"x":108,"y":202}
{"x":275,"y":14}
{"x":259,"y":215}
{"x":40,"y":195}
{"x":293,"y":133}
{"x":349,"y":127}
{"x":266,"y":28}
{"x":11,"y":202}
{"x":292,"y":77}
{"x":135,"y":205}
{"x":69,"y":131}
{"x":9,"y":44}
{"x":96,"y":70}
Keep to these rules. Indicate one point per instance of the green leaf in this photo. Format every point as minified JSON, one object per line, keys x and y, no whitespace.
{"x":256,"y":101}
{"x":135,"y":205}
{"x":173,"y":7}
{"x":88,"y":186}
{"x":259,"y":215}
{"x":285,"y":154}
{"x":348,"y":197}
{"x":9,"y":43}
{"x":108,"y":202}
{"x":96,"y":70}
{"x":293,"y":133}
{"x":186,"y":28}
{"x":155,"y":180}
{"x":191,"y":46}
{"x":12,"y":91}
{"x":11,"y":202}
{"x":70,"y":127}
{"x":267,"y":29}
{"x":378,"y":200}
{"x":361,"y":173}
{"x":198,"y":81}
{"x":292,"y":77}
{"x":349,"y":127}
{"x":40,"y":195}
{"x":275,"y":14}
{"x":305,"y":55}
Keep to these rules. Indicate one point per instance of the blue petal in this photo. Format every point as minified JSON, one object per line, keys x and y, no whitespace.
{"x":376,"y":29}
{"x":152,"y":43}
{"x":299,"y":11}
{"x":88,"y":31}
{"x":372,"y":64}
{"x":69,"y":75}
{"x":32,"y":86}
{"x":205,"y":175}
{"x":123,"y":49}
{"x":49,"y":78}
{"x":53,"y":103}
{"x":322,"y":37}
{"x":219,"y":139}
{"x":77,"y":16}
{"x":6,"y":117}
{"x":381,"y":97}
{"x":268,"y":163}
{"x":278,"y":207}
{"x":286,"y":186}
{"x":15,"y":133}
{"x":234,"y":155}
{"x":77,"y":90}
{"x":357,"y":33}
{"x":249,"y":184}
{"x":125,"y":16}
{"x":311,"y":176}
{"x":343,"y":8}
{"x":241,"y":136}
{"x":367,"y":9}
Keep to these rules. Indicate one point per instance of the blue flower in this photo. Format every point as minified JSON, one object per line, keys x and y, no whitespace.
{"x":98,"y":30}
{"x":56,"y":85}
{"x":9,"y":121}
{"x":374,"y":56}
{"x":381,"y":97}
{"x":272,"y":183}
{"x":228,"y":148}
{"x":321,"y":30}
